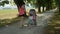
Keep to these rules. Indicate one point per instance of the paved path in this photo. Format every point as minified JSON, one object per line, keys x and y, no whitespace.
{"x":42,"y":21}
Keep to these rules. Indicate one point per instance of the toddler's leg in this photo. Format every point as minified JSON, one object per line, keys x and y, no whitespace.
{"x":35,"y":22}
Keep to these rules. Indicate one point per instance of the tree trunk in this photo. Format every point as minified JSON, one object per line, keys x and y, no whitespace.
{"x":48,"y":7}
{"x":43,"y":8}
{"x":19,"y":3}
{"x":59,"y":10}
{"x":39,"y":9}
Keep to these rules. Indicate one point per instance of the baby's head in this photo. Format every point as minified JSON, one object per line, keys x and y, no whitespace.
{"x":32,"y":12}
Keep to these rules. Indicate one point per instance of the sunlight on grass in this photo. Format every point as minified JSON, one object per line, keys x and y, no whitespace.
{"x":8,"y":16}
{"x":8,"y":13}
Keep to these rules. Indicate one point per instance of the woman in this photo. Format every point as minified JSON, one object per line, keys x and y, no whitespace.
{"x":19,"y":3}
{"x":22,"y":15}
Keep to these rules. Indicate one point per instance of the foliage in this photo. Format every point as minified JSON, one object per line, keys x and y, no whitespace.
{"x":4,"y":2}
{"x":57,"y":2}
{"x":58,"y":5}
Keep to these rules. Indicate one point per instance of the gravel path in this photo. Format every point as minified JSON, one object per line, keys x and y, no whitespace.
{"x":42,"y":22}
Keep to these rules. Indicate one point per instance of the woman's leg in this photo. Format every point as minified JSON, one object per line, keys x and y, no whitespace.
{"x":22,"y":21}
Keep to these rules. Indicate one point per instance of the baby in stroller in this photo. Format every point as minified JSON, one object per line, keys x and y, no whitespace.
{"x":32,"y":17}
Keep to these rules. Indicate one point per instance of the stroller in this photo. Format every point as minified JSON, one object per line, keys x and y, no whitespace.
{"x":32,"y":17}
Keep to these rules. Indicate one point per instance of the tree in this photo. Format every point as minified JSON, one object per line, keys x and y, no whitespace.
{"x":43,"y":4}
{"x":19,"y":3}
{"x":4,"y":2}
{"x":58,"y":4}
{"x":49,"y":4}
{"x":39,"y":3}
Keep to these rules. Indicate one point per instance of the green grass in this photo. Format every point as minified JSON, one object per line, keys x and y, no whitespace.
{"x":7,"y":13}
{"x":8,"y":16}
{"x":5,"y":16}
{"x":4,"y":11}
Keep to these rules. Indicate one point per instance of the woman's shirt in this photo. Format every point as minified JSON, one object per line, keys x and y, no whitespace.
{"x":22,"y":11}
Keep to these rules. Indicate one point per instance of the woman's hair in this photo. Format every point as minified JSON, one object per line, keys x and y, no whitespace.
{"x":22,"y":4}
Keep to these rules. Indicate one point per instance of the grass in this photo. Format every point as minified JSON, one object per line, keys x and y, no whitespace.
{"x":8,"y":16}
{"x":9,"y":21}
{"x":54,"y":25}
{"x":8,"y":13}
{"x":4,"y":11}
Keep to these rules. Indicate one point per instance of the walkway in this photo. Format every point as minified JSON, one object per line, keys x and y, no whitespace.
{"x":42,"y":22}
